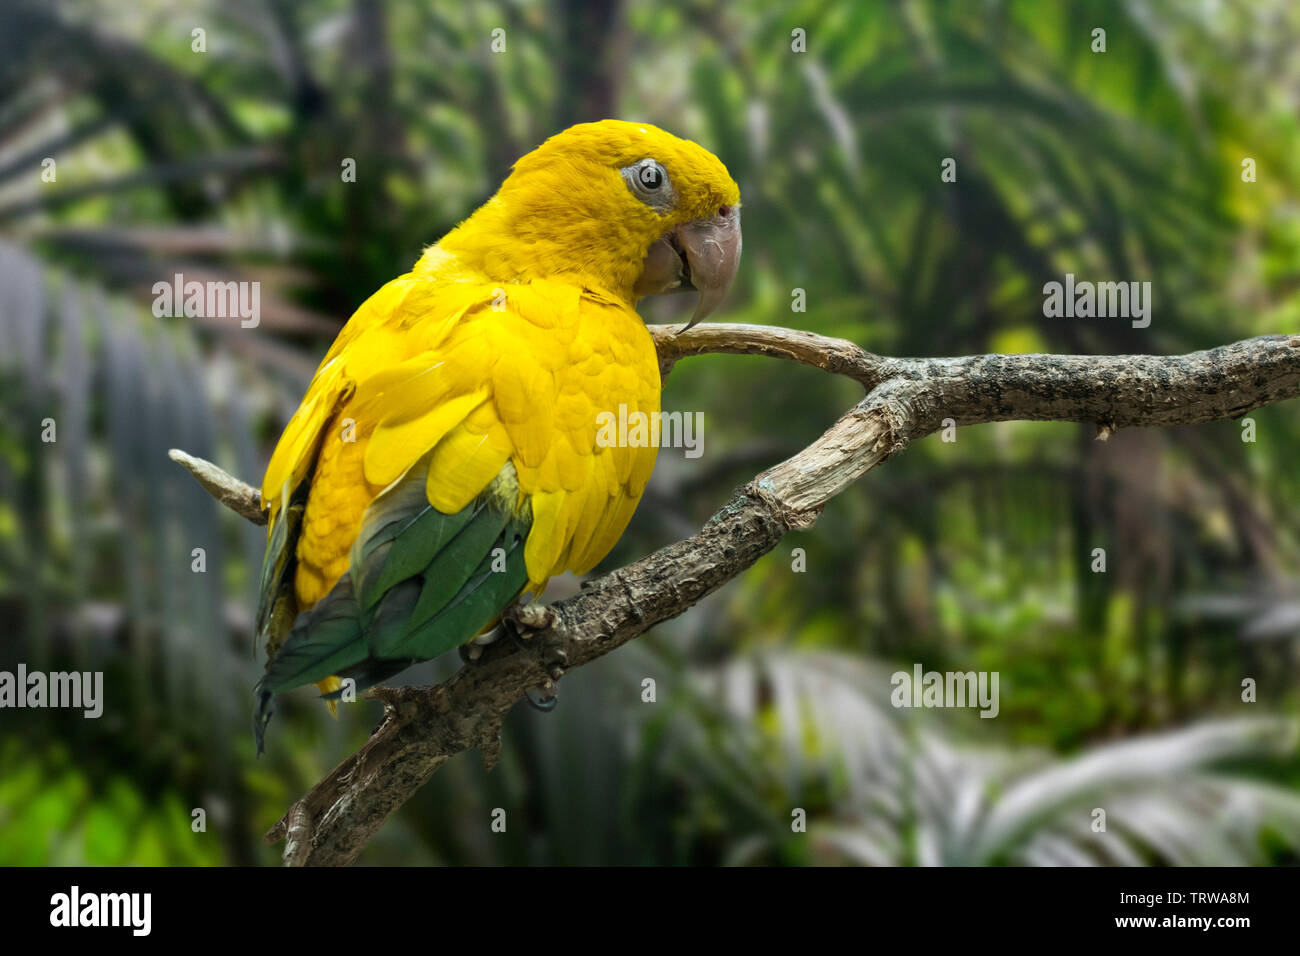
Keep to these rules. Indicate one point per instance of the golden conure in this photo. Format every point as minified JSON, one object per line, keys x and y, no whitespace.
{"x":445,"y":458}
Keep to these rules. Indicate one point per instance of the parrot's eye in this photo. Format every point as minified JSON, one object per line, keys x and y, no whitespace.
{"x":648,"y":181}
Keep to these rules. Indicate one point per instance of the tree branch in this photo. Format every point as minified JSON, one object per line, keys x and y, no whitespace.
{"x":244,"y":500}
{"x":423,"y":727}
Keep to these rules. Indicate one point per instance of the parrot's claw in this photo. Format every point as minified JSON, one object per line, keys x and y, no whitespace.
{"x":518,"y":623}
{"x":474,"y":649}
{"x":546,"y":701}
{"x":488,"y":637}
{"x":530,"y":617}
{"x":556,"y":662}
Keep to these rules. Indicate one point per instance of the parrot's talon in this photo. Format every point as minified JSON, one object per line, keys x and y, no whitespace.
{"x":546,"y":703}
{"x":532,"y":617}
{"x":555,"y":659}
{"x":488,"y":637}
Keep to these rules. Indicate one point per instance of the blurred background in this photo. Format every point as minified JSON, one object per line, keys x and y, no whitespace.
{"x":1119,"y":690}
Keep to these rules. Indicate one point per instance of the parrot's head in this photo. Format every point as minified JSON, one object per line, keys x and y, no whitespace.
{"x":624,"y":207}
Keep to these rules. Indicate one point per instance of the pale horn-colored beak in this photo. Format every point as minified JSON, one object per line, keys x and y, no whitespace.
{"x":703,"y":254}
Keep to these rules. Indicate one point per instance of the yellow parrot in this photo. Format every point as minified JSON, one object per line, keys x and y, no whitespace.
{"x":445,"y":458}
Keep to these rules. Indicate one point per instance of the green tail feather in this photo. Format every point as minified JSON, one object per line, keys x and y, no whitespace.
{"x":420,"y":583}
{"x":276,"y":604}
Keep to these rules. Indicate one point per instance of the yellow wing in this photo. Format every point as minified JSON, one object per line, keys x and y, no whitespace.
{"x":479,"y":376}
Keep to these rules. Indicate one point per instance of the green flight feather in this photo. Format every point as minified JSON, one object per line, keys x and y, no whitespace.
{"x":450,"y":569}
{"x":277,"y":606}
{"x":325,"y":639}
{"x":400,"y":536}
{"x":458,"y":602}
{"x":419,"y":583}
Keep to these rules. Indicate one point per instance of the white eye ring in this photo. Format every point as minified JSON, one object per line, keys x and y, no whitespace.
{"x":648,"y":181}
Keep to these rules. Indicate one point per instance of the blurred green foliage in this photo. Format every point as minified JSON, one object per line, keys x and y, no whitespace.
{"x":52,"y":814}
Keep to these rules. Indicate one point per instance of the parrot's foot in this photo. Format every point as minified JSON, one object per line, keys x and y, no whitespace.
{"x":530,"y":617}
{"x":546,"y":700}
{"x":474,"y":649}
{"x":523,"y":621}
{"x":556,"y":661}
{"x":488,"y":637}
{"x":517,"y":622}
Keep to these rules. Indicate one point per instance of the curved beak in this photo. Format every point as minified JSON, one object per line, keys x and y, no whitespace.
{"x":703,"y":254}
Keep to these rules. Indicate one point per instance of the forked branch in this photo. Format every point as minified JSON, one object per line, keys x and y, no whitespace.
{"x":423,"y":727}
